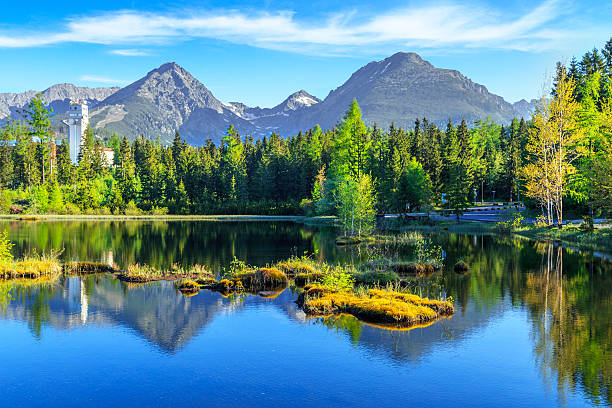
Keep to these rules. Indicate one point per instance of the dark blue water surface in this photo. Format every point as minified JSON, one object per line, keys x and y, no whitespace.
{"x":532,"y":328}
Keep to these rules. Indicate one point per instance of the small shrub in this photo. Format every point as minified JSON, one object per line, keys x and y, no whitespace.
{"x":338,"y":279}
{"x":587,"y":224}
{"x":5,"y":247}
{"x":159,"y":210}
{"x":511,"y":222}
{"x":540,"y":222}
{"x":236,"y":267}
{"x":307,"y":207}
{"x":426,"y":252}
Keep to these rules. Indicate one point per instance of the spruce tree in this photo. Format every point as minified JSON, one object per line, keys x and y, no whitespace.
{"x":461,"y":172}
{"x":38,"y":119}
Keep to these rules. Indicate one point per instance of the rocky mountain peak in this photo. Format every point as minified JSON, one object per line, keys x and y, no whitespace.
{"x":298,"y":100}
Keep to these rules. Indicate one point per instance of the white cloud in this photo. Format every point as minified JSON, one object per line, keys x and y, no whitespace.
{"x":129,"y":53}
{"x":434,"y":26}
{"x":102,"y":80}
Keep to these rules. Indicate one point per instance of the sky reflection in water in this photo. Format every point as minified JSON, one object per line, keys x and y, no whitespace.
{"x":533,"y":327}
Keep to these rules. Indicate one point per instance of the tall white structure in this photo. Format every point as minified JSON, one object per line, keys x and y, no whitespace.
{"x":78,"y":119}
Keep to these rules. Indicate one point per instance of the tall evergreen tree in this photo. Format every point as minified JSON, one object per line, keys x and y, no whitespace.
{"x":461,"y":172}
{"x":38,"y":119}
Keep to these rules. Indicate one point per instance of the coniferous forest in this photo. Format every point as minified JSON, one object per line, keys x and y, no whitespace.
{"x":558,"y":160}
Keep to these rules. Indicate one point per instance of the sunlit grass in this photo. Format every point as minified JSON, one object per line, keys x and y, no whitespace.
{"x":375,"y":305}
{"x":30,"y":268}
{"x":147,"y":273}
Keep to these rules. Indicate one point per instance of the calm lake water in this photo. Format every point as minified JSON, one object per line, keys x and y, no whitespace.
{"x":533,"y":326}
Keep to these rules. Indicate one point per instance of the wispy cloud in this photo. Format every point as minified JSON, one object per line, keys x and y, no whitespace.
{"x":102,"y":80}
{"x":130,"y":53}
{"x":431,"y":26}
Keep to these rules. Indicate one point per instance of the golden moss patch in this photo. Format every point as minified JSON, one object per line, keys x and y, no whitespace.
{"x":188,"y":286}
{"x":295,"y":266}
{"x":262,"y":279}
{"x":378,"y":306}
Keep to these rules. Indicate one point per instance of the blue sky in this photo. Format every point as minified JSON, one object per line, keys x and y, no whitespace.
{"x":258,"y":52}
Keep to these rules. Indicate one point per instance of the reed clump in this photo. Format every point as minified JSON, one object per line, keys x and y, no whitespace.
{"x":81,"y":268}
{"x":302,"y":279}
{"x":412,"y":268}
{"x":30,"y":268}
{"x":262,"y":278}
{"x":138,"y":273}
{"x":297,"y":266}
{"x":375,"y":305}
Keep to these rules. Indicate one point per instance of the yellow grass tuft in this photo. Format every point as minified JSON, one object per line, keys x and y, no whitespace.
{"x":30,"y":268}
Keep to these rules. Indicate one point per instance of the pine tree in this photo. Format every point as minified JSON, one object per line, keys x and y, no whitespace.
{"x":607,"y":53}
{"x":65,"y":168}
{"x":461,"y":172}
{"x":6,"y":158}
{"x":38,"y":119}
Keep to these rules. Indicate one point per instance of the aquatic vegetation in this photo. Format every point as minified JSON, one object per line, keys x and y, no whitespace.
{"x":405,"y":238}
{"x":30,"y":268}
{"x":461,"y":267}
{"x":377,"y":305}
{"x":262,"y":278}
{"x":412,"y":268}
{"x":187,"y":286}
{"x":426,"y":252}
{"x":338,"y":278}
{"x":87,"y":267}
{"x":376,"y":277}
{"x":205,"y":280}
{"x":146,"y":273}
{"x":295,"y":266}
{"x":303,"y":279}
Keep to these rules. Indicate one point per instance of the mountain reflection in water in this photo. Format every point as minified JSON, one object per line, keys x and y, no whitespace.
{"x":526,"y":310}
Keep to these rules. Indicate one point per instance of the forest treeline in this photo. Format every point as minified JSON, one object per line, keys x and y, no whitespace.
{"x":561,"y":158}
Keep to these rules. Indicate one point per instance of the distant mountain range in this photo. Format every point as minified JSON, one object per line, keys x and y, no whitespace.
{"x":397,"y":89}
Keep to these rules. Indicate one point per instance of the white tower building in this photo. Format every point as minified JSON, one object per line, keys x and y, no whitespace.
{"x":78,"y":119}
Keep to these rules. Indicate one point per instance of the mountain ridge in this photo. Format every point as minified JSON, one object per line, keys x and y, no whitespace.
{"x":397,"y":89}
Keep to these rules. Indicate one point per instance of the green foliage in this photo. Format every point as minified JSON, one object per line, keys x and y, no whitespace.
{"x":414,"y":188}
{"x":5,"y":247}
{"x":461,"y":172}
{"x":426,"y":252}
{"x":351,"y":170}
{"x":338,"y":278}
{"x":511,"y":222}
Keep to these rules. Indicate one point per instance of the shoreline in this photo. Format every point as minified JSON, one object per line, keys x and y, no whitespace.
{"x":600,"y":240}
{"x":216,"y":218}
